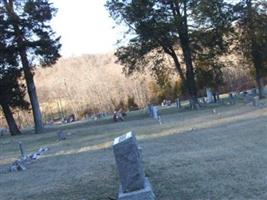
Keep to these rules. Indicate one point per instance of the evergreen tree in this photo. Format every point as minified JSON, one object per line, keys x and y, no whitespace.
{"x":215,"y":17}
{"x":12,"y":93}
{"x":33,"y":40}
{"x":252,"y":28}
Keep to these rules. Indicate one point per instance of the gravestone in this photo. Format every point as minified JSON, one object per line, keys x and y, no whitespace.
{"x":248,"y":99}
{"x":70,"y":118}
{"x":18,"y":165}
{"x":231,"y":98}
{"x":255,"y":101}
{"x":155,"y":112}
{"x":159,"y":120}
{"x":264,"y":90}
{"x":203,"y":100}
{"x":150,"y":110}
{"x":21,"y":150}
{"x":61,"y":135}
{"x":252,"y":92}
{"x":210,"y":98}
{"x":193,"y":105}
{"x":134,"y":184}
{"x":178,"y":103}
{"x":3,"y":131}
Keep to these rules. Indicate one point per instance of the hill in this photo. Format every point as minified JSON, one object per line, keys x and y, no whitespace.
{"x":92,"y":82}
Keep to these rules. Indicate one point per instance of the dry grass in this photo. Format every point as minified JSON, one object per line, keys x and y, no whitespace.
{"x":192,"y":155}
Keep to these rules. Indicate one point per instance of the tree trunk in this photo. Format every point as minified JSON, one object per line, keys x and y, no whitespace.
{"x":190,"y":76}
{"x":189,"y":79}
{"x":178,"y":65}
{"x":260,"y":84}
{"x":182,"y":28}
{"x":39,"y":127}
{"x":37,"y":115}
{"x":13,"y":128}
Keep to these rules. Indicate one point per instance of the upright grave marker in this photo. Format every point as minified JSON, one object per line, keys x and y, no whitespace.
{"x":231,"y":98}
{"x":134,"y":184}
{"x":21,"y":150}
{"x":210,"y":98}
{"x":178,"y":103}
{"x":150,"y":110}
{"x":61,"y":135}
{"x":155,"y":112}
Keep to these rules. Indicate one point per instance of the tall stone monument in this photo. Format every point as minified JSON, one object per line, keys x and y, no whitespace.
{"x":134,"y":184}
{"x":150,"y":110}
{"x":155,"y":112}
{"x":21,"y":150}
{"x":210,"y":98}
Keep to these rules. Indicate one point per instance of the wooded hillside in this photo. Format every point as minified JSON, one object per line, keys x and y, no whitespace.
{"x":90,"y":83}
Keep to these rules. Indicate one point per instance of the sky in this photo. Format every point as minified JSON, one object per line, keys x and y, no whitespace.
{"x":85,"y":27}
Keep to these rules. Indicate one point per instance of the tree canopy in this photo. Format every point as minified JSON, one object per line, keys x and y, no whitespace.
{"x":174,"y":28}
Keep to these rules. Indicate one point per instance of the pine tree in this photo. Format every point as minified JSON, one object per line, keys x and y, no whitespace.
{"x":33,"y":40}
{"x":12,"y":93}
{"x":252,"y":27}
{"x":213,"y":43}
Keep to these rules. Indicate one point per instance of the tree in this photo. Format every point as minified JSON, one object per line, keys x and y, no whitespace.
{"x":156,"y":33}
{"x":33,"y":40}
{"x":213,"y":43}
{"x":12,"y":93}
{"x":11,"y":90}
{"x":252,"y":27}
{"x":159,"y":28}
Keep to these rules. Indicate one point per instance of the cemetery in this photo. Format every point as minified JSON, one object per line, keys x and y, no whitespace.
{"x":216,"y":152}
{"x":133,"y":100}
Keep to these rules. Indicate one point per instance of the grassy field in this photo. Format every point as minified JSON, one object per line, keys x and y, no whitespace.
{"x":192,"y":155}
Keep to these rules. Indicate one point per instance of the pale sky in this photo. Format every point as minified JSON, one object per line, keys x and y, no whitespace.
{"x":85,"y":27}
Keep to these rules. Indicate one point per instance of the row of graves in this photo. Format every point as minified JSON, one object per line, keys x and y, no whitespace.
{"x":62,"y":120}
{"x":248,"y":97}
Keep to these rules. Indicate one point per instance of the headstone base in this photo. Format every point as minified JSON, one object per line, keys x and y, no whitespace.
{"x":144,"y":194}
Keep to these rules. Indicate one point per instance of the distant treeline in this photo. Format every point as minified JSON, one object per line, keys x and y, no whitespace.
{"x":91,"y":84}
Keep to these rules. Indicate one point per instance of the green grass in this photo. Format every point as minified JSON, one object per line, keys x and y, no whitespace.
{"x":192,"y":155}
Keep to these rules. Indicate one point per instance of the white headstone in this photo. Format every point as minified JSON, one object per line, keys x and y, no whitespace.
{"x":155,"y":112}
{"x":210,"y":97}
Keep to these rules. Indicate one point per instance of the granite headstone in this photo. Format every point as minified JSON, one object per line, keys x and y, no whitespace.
{"x":134,"y":184}
{"x":129,"y":162}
